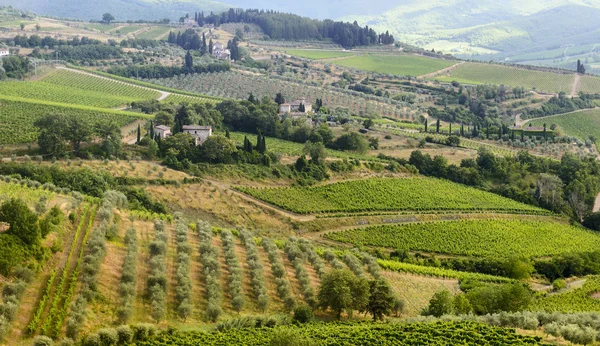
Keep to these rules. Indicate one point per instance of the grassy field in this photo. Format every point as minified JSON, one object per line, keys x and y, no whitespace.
{"x":494,"y":237}
{"x":317,"y":54}
{"x":154,"y":33}
{"x":581,"y":124}
{"x":476,"y":73}
{"x":384,"y":194}
{"x":128,"y":29}
{"x":401,"y":65}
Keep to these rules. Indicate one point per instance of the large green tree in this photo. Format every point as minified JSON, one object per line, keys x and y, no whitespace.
{"x":51,"y":139}
{"x":341,"y":291}
{"x":381,"y":299}
{"x":23,"y":222}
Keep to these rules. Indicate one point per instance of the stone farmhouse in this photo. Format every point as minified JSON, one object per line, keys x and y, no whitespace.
{"x":200,"y":133}
{"x":220,"y":52}
{"x":162,"y":131}
{"x":294,"y":107}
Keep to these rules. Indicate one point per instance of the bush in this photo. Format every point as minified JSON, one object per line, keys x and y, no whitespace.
{"x":559,"y":284}
{"x":125,"y":334}
{"x":42,"y":340}
{"x":143,"y":331}
{"x":288,"y":337}
{"x":440,"y":304}
{"x":303,"y":314}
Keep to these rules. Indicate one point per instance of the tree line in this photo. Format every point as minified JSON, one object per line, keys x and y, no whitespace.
{"x":285,"y":26}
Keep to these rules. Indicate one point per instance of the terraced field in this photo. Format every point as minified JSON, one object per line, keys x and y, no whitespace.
{"x":386,"y":194}
{"x":154,"y":33}
{"x":476,"y":73}
{"x":492,"y":237}
{"x":581,"y":124}
{"x":401,"y":65}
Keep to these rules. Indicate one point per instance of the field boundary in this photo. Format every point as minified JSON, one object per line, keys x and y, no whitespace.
{"x":442,"y":71}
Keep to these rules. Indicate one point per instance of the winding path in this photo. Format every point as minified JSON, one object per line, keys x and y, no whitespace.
{"x":442,"y":71}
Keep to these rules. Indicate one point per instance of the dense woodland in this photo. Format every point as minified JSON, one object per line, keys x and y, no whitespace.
{"x":284,"y":26}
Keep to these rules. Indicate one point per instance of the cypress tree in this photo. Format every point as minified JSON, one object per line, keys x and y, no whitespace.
{"x":227,"y":135}
{"x":151,"y":130}
{"x":462,"y":129}
{"x":545,"y":134}
{"x":425,"y":125}
{"x":450,"y":131}
{"x":437,"y":126}
{"x":139,"y":134}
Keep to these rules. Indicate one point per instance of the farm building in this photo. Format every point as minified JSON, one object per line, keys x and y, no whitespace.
{"x":530,"y":131}
{"x":201,"y":133}
{"x":4,"y":52}
{"x":189,"y":22}
{"x":294,"y":107}
{"x":220,"y":52}
{"x":162,"y":131}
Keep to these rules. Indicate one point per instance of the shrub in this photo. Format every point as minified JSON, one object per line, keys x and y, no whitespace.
{"x":42,"y":340}
{"x":303,"y":314}
{"x":108,"y":336}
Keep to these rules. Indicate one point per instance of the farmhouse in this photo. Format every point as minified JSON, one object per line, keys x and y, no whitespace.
{"x":4,"y":52}
{"x":220,"y":52}
{"x":189,"y":22}
{"x":201,"y":133}
{"x":294,"y":107}
{"x":162,"y":131}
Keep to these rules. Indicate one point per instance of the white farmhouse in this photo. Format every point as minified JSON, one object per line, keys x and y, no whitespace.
{"x":162,"y":131}
{"x":201,"y":133}
{"x":4,"y":52}
{"x":294,"y":107}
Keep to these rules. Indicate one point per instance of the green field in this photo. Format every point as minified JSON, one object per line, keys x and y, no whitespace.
{"x":577,"y":300}
{"x":154,"y":33}
{"x":401,"y":65}
{"x":316,"y":54}
{"x":178,"y":98}
{"x":17,"y":116}
{"x":580,"y":124}
{"x":100,"y":27}
{"x":476,"y":73}
{"x":498,"y":238}
{"x":385,"y":194}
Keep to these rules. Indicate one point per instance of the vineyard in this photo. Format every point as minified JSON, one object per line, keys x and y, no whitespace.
{"x":81,"y":81}
{"x":14,"y":189}
{"x":384,"y":194}
{"x":239,"y":85}
{"x":580,"y":124}
{"x":589,"y":84}
{"x":492,"y":237}
{"x":400,"y":65}
{"x":155,"y":33}
{"x":17,"y":116}
{"x":439,"y":272}
{"x":178,"y":98}
{"x":477,"y":73}
{"x":439,"y":333}
{"x":581,"y":299}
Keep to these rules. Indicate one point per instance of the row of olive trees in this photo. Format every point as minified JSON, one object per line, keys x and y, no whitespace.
{"x":298,"y":259}
{"x":157,"y":281}
{"x":184,"y":282}
{"x":128,"y":276}
{"x":257,"y":276}
{"x":210,"y":271}
{"x":122,"y":335}
{"x":11,"y":297}
{"x":354,"y":264}
{"x":278,"y":269}
{"x":92,"y":261}
{"x":312,"y":256}
{"x":333,"y":259}
{"x":235,"y":272}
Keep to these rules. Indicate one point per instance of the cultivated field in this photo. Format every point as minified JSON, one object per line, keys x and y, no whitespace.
{"x":580,"y":124}
{"x":400,"y":65}
{"x":493,"y":237}
{"x":315,"y":54}
{"x":476,"y":73}
{"x":384,"y":194}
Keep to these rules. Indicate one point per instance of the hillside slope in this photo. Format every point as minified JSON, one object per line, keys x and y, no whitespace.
{"x":121,"y":9}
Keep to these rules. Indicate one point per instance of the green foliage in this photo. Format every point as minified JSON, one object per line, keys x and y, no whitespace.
{"x":488,"y":299}
{"x":442,"y":303}
{"x":235,"y":280}
{"x":577,"y":300}
{"x":341,"y":291}
{"x":582,"y":124}
{"x":23,"y":222}
{"x":381,"y":299}
{"x":157,"y":281}
{"x":303,"y":314}
{"x":495,"y":238}
{"x":368,"y":334}
{"x":127,"y":284}
{"x":439,"y":272}
{"x":210,"y":270}
{"x":298,"y":260}
{"x":383,"y":194}
{"x":257,"y":278}
{"x":184,"y":282}
{"x":279,"y":272}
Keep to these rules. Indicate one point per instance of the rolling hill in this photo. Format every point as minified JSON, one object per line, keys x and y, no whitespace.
{"x":122,"y":10}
